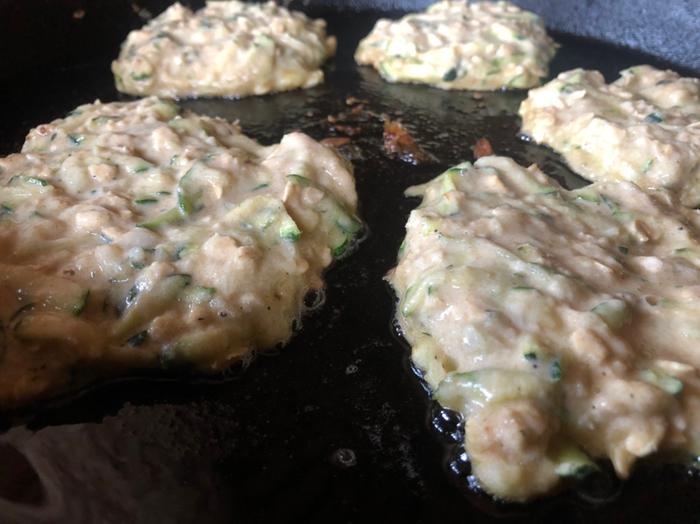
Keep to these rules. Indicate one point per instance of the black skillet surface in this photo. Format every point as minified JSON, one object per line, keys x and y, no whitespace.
{"x":334,"y":427}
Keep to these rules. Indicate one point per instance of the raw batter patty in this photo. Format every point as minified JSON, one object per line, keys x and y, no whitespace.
{"x":561,"y":324}
{"x":227,"y":48}
{"x":135,"y":236}
{"x":644,"y":127}
{"x":460,"y":45}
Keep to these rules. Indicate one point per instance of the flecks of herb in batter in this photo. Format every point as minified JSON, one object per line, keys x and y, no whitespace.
{"x":555,"y":371}
{"x":653,"y":118}
{"x":450,"y":75}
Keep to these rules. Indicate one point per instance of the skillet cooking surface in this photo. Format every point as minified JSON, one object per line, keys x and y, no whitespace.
{"x":335,"y":426}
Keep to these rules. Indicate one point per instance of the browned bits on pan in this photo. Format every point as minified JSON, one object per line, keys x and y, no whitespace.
{"x":79,"y":14}
{"x":482,"y":148}
{"x":353,"y":101}
{"x":399,"y":143}
{"x":348,"y":130}
{"x":335,"y":141}
{"x":356,"y":105}
{"x":358,"y":127}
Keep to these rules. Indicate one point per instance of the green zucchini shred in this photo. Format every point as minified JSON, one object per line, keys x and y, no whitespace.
{"x":614,"y":312}
{"x":32,"y":180}
{"x":76,"y":140}
{"x":23,"y":309}
{"x":450,"y":75}
{"x":555,"y":370}
{"x":102,"y":119}
{"x":340,"y":249}
{"x":610,"y":203}
{"x":146,"y":201}
{"x":200,"y":294}
{"x":80,"y":306}
{"x":530,"y":356}
{"x":131,"y":295}
{"x":587,"y":197}
{"x":140,"y":77}
{"x":144,"y":305}
{"x":186,"y":278}
{"x":138,"y":339}
{"x":654,"y":118}
{"x":180,"y":252}
{"x":168,"y":217}
{"x":572,"y":462}
{"x":670,"y":384}
{"x":402,"y":247}
{"x":299,"y":179}
{"x":464,"y":391}
{"x":290,"y":232}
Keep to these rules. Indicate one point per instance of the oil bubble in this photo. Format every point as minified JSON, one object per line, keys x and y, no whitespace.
{"x":449,"y":424}
{"x":344,"y":458}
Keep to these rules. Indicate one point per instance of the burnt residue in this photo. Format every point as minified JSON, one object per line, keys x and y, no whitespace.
{"x":335,"y":427}
{"x":482,"y":147}
{"x":400,"y":144}
{"x":360,"y":120}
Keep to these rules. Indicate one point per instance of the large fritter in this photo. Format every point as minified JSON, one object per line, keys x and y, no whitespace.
{"x":461,"y":45}
{"x":563,"y":325}
{"x":228,"y":48}
{"x":134,"y":236}
{"x":644,"y":127}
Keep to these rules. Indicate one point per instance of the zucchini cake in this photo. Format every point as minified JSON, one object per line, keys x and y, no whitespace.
{"x":461,"y":45}
{"x":228,"y":48}
{"x":562,"y":325}
{"x":134,"y":236}
{"x":644,"y":127}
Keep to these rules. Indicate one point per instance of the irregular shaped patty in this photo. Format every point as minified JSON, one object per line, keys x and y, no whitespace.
{"x":228,"y":48}
{"x":133,"y":235}
{"x":644,"y":127}
{"x":460,"y":45}
{"x":563,"y":325}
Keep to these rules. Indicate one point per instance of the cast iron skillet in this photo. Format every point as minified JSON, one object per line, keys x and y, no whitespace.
{"x":335,"y":426}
